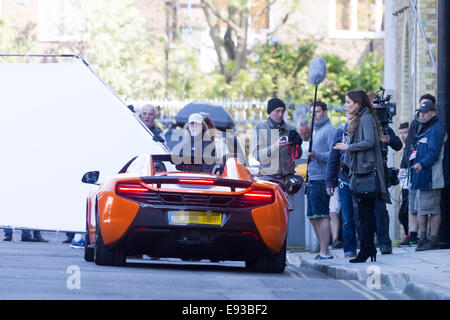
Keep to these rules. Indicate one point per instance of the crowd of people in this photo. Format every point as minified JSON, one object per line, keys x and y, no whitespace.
{"x":346,"y":185}
{"x":347,"y":173}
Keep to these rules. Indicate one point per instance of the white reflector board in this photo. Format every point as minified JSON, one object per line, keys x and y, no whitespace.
{"x":58,"y":121}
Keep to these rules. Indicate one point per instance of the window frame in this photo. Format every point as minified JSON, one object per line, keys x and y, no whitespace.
{"x":44,"y":36}
{"x":353,"y":33}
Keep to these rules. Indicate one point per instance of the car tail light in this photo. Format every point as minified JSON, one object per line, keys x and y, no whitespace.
{"x":258,"y":195}
{"x":256,"y":198}
{"x":130,"y":188}
{"x":196,"y":181}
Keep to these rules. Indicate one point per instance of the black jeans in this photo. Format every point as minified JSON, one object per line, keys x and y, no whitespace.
{"x":382,"y":224}
{"x":404,"y":210}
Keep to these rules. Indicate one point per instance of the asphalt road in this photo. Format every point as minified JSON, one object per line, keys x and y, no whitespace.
{"x":55,"y":271}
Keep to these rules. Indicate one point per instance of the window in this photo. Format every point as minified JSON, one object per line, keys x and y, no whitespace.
{"x":63,"y":20}
{"x":260,"y":18}
{"x":357,"y":19}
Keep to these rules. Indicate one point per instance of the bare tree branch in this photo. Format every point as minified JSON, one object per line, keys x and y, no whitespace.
{"x":206,"y":3}
{"x":277,"y":28}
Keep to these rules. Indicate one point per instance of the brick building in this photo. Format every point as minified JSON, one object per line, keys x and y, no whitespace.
{"x":415,"y":71}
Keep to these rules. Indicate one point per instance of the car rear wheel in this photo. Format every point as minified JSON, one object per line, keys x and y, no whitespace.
{"x":268,"y":262}
{"x":107,"y":256}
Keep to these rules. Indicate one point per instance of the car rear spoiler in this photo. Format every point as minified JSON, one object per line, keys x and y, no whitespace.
{"x":232,"y":183}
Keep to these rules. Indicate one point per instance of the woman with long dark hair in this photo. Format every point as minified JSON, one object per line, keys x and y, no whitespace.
{"x":363,"y":156}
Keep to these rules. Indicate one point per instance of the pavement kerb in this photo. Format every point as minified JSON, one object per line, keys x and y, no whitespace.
{"x":396,"y":281}
{"x":426,"y":292}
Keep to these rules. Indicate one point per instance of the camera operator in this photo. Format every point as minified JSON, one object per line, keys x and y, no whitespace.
{"x":276,"y":145}
{"x":384,"y":111}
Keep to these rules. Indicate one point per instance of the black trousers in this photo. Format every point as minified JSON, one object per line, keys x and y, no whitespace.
{"x":365,"y":221}
{"x":404,"y":211}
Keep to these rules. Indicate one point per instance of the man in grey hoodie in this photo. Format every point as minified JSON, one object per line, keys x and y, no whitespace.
{"x":318,"y":200}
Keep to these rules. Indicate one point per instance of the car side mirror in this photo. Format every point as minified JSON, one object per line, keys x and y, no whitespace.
{"x":91,"y":177}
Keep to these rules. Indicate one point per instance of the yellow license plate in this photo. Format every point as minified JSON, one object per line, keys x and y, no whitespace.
{"x":182,"y":217}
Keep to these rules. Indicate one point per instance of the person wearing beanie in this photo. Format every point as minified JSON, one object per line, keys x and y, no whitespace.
{"x":272,"y":144}
{"x":273,"y":104}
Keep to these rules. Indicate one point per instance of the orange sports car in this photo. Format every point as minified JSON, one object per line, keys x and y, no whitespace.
{"x":155,"y":207}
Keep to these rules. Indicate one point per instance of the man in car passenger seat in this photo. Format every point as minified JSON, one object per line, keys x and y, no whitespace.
{"x":147,"y":115}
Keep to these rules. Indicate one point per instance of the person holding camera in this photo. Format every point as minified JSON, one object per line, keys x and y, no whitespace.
{"x":365,"y":166}
{"x":276,"y":145}
{"x":388,"y":138}
{"x":318,"y":200}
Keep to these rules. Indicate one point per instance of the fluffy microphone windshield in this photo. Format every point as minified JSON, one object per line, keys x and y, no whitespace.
{"x":317,"y":70}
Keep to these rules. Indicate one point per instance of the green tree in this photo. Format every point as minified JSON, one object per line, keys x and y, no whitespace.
{"x":15,"y":40}
{"x":280,"y":67}
{"x":120,"y":50}
{"x":370,"y":72}
{"x":236,"y":17}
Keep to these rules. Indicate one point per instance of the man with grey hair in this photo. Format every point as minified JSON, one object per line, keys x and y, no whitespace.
{"x":148,"y":114}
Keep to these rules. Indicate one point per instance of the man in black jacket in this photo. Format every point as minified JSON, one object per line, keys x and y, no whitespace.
{"x":381,"y":214}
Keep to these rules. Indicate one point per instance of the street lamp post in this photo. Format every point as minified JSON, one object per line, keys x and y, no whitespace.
{"x":443,"y":106}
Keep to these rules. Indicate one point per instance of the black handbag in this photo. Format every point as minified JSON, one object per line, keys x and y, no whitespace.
{"x":365,"y":185}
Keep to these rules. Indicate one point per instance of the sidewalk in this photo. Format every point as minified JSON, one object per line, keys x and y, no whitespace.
{"x":421,"y":275}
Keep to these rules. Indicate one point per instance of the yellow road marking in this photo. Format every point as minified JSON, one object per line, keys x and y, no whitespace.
{"x":295,"y":273}
{"x":292,"y":274}
{"x":355,"y":289}
{"x":377,"y":294}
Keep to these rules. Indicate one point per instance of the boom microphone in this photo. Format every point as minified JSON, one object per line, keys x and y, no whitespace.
{"x":317,"y":70}
{"x":316,"y":74}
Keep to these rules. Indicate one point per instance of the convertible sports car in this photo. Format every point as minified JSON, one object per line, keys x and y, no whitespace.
{"x":155,"y":207}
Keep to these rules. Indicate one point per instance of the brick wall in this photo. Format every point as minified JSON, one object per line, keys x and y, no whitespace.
{"x":415,"y":71}
{"x":426,"y":75}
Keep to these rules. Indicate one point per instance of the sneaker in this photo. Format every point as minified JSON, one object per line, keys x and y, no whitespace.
{"x":323,"y":257}
{"x":337,"y":244}
{"x":430,"y":245}
{"x":7,"y":237}
{"x":405,"y":241}
{"x":80,"y":244}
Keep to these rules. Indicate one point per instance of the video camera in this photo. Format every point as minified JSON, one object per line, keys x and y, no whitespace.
{"x":385,"y":110}
{"x":294,"y":138}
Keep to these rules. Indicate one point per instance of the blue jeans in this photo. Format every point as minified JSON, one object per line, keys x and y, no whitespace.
{"x":318,"y":200}
{"x":382,"y":224}
{"x":348,"y":219}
